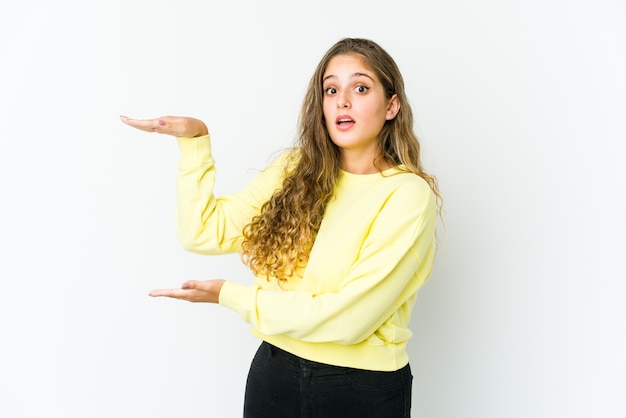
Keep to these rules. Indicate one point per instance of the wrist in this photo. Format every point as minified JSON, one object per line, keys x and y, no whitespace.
{"x":201,"y":128}
{"x":217,"y":289}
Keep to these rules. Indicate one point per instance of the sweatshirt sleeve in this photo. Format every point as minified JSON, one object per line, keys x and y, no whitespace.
{"x":206,"y":224}
{"x":396,"y":259}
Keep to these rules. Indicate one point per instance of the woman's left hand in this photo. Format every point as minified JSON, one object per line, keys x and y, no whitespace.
{"x":194,"y":291}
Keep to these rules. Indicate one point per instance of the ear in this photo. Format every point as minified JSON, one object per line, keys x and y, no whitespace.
{"x":393,"y":108}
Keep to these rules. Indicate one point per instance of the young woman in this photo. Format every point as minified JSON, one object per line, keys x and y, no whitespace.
{"x":339,"y":233}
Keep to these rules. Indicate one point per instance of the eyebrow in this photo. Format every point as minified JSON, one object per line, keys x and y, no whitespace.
{"x":351,"y":76}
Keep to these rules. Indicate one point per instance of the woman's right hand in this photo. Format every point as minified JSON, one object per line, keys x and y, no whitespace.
{"x":178,"y":126}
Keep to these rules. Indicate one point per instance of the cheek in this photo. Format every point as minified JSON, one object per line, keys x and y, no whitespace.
{"x":328,"y":117}
{"x":325,"y":107}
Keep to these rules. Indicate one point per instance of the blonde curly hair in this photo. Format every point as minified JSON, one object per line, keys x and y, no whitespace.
{"x":277,"y":242}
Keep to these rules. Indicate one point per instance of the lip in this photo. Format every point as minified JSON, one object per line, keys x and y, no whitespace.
{"x":347,"y":123}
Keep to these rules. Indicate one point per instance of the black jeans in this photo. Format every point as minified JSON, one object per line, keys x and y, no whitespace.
{"x":282,"y":385}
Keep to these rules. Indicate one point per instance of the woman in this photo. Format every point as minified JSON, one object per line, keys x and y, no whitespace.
{"x":339,"y":233}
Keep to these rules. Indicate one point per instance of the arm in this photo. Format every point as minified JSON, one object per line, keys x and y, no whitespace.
{"x":211,"y":225}
{"x":395,"y":260}
{"x":206,"y":224}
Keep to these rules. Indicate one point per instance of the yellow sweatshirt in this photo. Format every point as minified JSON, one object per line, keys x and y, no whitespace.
{"x":374,"y":250}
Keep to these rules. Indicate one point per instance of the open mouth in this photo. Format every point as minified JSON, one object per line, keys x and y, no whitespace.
{"x":344,"y":122}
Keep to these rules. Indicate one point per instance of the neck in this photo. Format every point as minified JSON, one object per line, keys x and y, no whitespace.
{"x":361,"y":164}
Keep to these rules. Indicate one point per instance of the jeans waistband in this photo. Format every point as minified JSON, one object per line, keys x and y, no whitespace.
{"x":297,"y":360}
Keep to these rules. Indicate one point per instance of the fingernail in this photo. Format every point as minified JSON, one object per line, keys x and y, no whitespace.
{"x":161,"y":123}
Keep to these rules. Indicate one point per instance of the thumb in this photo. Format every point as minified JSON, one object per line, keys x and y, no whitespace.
{"x":189,"y":284}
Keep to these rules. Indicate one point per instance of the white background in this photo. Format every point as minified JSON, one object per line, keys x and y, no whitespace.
{"x":521,"y":108}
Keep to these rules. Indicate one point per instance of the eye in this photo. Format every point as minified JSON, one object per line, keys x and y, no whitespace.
{"x":330,"y":90}
{"x":361,"y":89}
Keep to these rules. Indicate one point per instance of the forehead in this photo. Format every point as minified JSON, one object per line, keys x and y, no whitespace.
{"x":347,"y":64}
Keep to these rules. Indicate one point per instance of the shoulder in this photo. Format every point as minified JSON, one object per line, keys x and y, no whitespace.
{"x":409,"y":202}
{"x":410,"y":188}
{"x":407,"y":213}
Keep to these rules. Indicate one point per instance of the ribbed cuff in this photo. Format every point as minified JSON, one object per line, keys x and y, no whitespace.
{"x":195,"y":150}
{"x":238,"y":297}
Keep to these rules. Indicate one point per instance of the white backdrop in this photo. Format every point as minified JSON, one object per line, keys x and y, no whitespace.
{"x":521,"y":107}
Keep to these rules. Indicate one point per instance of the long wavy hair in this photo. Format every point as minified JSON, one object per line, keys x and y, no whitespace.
{"x":277,"y":242}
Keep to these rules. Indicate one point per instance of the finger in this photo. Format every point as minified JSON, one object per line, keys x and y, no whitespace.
{"x":190,"y":295}
{"x":171,"y":293}
{"x":147,"y":125}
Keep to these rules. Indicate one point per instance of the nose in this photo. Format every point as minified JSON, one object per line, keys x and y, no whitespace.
{"x":343,"y":101}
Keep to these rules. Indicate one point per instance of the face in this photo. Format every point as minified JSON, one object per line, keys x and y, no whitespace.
{"x":355,"y":108}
